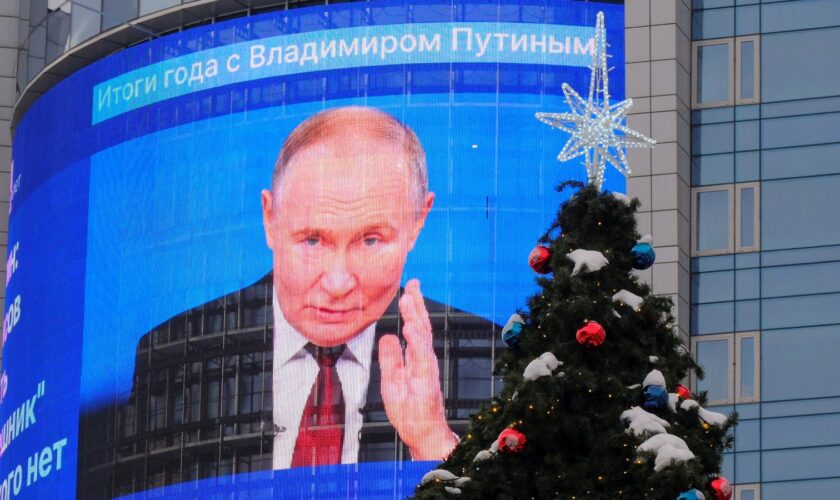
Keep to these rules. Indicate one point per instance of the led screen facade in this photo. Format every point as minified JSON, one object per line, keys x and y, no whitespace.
{"x":270,"y":256}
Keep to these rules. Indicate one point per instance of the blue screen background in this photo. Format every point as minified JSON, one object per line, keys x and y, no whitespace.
{"x":128,"y":222}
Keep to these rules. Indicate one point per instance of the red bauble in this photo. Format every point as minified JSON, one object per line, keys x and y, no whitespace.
{"x":511,"y":441}
{"x":540,"y":259}
{"x":592,"y":334}
{"x":683,"y":392}
{"x":721,"y":489}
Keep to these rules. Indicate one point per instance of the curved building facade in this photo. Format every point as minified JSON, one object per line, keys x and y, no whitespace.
{"x":191,"y":314}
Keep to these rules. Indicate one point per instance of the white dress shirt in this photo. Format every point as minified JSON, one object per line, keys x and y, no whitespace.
{"x":295,"y":371}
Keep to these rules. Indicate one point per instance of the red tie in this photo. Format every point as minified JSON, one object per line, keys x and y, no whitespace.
{"x":321,"y":431}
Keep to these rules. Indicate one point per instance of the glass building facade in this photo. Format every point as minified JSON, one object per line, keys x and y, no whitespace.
{"x":765,"y":266}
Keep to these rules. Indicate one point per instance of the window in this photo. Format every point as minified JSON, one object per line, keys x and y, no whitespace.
{"x":712,"y":207}
{"x":58,"y":31}
{"x":149,"y":6}
{"x":85,"y":20}
{"x":746,"y":367}
{"x":115,"y":12}
{"x":747,"y":70}
{"x":747,"y":222}
{"x":731,"y":366}
{"x":747,"y":492}
{"x":725,"y":71}
{"x":789,"y":202}
{"x":711,"y":73}
{"x":726,"y":219}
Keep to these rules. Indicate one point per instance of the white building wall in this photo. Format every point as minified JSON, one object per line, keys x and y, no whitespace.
{"x":658,"y":55}
{"x":8,"y":96}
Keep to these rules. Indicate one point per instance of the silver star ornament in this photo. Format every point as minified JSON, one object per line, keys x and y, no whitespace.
{"x":597,"y":127}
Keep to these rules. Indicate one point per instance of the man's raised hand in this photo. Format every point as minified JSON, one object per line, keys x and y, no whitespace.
{"x":411,"y":386}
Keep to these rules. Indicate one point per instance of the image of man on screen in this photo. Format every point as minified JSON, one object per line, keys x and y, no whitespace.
{"x":326,"y":359}
{"x":348,"y":199}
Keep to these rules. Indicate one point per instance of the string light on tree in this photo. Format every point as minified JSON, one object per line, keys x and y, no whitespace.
{"x":596,"y":126}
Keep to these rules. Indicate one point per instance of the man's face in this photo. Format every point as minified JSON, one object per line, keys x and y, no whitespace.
{"x":341,"y":226}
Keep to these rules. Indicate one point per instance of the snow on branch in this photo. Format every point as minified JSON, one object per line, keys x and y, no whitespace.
{"x":452,"y":483}
{"x":623,"y":198}
{"x":629,"y":299}
{"x":541,"y":366}
{"x":587,"y":260}
{"x":667,"y":448}
{"x":710,"y":417}
{"x":643,"y":423}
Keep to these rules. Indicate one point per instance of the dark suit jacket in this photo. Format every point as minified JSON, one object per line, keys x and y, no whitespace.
{"x":200,"y":403}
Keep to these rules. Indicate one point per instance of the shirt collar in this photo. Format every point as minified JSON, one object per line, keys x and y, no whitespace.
{"x":359,"y":348}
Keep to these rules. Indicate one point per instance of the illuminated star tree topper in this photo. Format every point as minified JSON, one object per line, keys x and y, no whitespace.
{"x":597,"y":127}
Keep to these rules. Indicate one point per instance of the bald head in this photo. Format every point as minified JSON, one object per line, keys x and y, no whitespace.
{"x":348,"y":125}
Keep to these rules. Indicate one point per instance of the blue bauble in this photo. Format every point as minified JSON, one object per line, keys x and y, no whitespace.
{"x":692,"y":494}
{"x":512,"y":332}
{"x":656,"y":397}
{"x":643,"y":255}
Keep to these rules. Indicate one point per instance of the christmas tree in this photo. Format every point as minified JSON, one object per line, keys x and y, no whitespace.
{"x":591,"y":405}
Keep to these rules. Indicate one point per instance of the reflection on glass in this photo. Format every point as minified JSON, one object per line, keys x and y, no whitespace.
{"x":713,"y":138}
{"x":747,"y":315}
{"x":747,"y":69}
{"x":713,"y":23}
{"x":747,"y":495}
{"x":58,"y":32}
{"x":747,"y":217}
{"x":149,"y":6}
{"x":37,"y":54}
{"x":746,"y":134}
{"x":747,"y":370}
{"x":713,"y":73}
{"x":717,"y":317}
{"x":714,"y":287}
{"x":803,"y":199}
{"x":713,"y":356}
{"x":790,"y":16}
{"x":115,"y":12}
{"x":746,"y":284}
{"x":85,"y":20}
{"x":712,"y":220}
{"x":712,"y":169}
